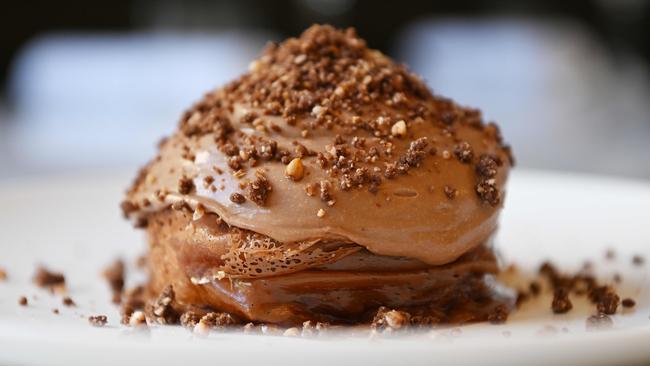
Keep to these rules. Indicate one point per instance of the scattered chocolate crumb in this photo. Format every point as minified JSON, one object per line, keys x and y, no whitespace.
{"x":638,"y":260}
{"x":628,"y":303}
{"x":67,"y":301}
{"x":219,"y":320}
{"x":22,"y":301}
{"x":55,"y":311}
{"x":97,"y":320}
{"x":190,"y":319}
{"x":608,"y":303}
{"x":237,"y":198}
{"x":114,"y":274}
{"x":387,"y":320}
{"x":185,"y":185}
{"x":48,"y":279}
{"x":162,"y":308}
{"x":3,"y":275}
{"x":599,"y":322}
{"x":561,"y":303}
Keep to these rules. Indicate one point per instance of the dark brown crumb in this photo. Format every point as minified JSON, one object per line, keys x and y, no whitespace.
{"x":488,"y":192}
{"x":628,"y":303}
{"x":259,"y":190}
{"x":48,"y":279}
{"x":114,"y":274}
{"x":638,"y":260}
{"x":561,"y":303}
{"x":608,"y":303}
{"x":55,"y":311}
{"x":237,"y":198}
{"x":599,"y":322}
{"x":67,"y":301}
{"x":388,"y":320}
{"x":219,"y":320}
{"x":498,"y":315}
{"x":185,"y":185}
{"x":162,"y":309}
{"x":464,"y":152}
{"x":22,"y":301}
{"x":487,"y":166}
{"x":190,"y":319}
{"x":97,"y":320}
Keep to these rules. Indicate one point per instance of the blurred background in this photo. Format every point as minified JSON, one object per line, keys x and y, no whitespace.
{"x":93,"y":85}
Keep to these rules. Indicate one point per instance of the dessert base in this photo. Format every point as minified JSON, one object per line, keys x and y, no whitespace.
{"x":185,"y":253}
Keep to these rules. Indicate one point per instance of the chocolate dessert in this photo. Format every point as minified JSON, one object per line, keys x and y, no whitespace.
{"x":326,"y":184}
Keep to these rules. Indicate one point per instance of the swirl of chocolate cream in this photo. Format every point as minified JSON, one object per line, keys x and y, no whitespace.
{"x":325,"y":139}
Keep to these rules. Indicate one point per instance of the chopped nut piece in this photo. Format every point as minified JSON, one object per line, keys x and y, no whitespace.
{"x":291,"y":332}
{"x":320,"y":213}
{"x":137,"y":319}
{"x":399,"y":129}
{"x":295,"y":170}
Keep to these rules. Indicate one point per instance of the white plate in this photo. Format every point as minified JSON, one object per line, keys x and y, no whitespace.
{"x":73,"y":224}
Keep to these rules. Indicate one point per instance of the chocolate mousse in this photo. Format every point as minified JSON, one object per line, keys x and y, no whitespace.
{"x":326,"y":184}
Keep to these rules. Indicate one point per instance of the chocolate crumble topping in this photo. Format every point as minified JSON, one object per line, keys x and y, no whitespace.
{"x":22,"y":301}
{"x":185,"y":185}
{"x":259,"y":190}
{"x":488,"y":192}
{"x":464,"y":152}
